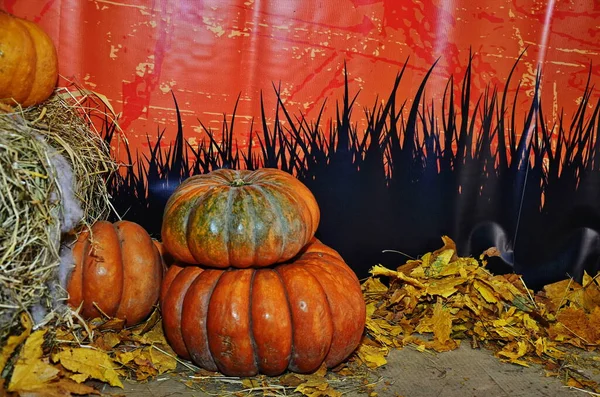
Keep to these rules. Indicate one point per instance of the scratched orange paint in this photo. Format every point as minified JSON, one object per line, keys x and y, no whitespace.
{"x":210,"y":51}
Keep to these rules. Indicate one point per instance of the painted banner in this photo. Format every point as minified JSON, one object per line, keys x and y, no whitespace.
{"x":407,"y":119}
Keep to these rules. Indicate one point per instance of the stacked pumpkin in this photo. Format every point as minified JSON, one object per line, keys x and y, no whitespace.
{"x":253,"y":291}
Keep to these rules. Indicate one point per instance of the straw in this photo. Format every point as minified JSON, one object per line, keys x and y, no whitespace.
{"x":53,"y":170}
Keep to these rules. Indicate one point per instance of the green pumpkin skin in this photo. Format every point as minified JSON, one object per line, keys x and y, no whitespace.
{"x":239,"y":218}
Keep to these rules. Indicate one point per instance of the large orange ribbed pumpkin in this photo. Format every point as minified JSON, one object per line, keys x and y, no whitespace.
{"x":119,"y":269}
{"x":28,"y":62}
{"x":242,"y":322}
{"x":239,"y":218}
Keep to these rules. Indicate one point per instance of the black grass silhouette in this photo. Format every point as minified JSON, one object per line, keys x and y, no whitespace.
{"x":413,"y":174}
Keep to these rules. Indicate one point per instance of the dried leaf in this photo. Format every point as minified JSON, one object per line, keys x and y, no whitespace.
{"x":441,"y":261}
{"x":67,"y":386}
{"x":154,"y":336}
{"x":486,"y":292}
{"x":79,"y":378}
{"x":372,"y":356}
{"x":448,"y":245}
{"x":503,"y":289}
{"x":374,"y":286}
{"x":162,"y":361}
{"x":148,"y":324}
{"x":125,"y":357}
{"x":62,"y":388}
{"x":461,"y":267}
{"x":514,"y":351}
{"x":378,"y":332}
{"x":317,"y":388}
{"x":562,"y":293}
{"x":112,"y":324}
{"x":576,"y":322}
{"x":441,"y":323}
{"x":15,"y":340}
{"x":107,"y":341}
{"x":591,"y":293}
{"x":148,"y":361}
{"x":594,"y":323}
{"x":490,"y":252}
{"x":444,"y":287}
{"x":411,"y":265}
{"x":290,"y":379}
{"x":589,"y":280}
{"x":530,"y":324}
{"x":250,"y":383}
{"x":30,"y":372}
{"x":438,"y":346}
{"x":379,"y":270}
{"x":94,"y":363}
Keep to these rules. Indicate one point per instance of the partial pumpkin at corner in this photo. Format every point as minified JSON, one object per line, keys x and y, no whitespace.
{"x":28,"y":62}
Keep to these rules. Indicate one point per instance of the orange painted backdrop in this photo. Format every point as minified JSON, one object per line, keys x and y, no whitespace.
{"x":210,"y":51}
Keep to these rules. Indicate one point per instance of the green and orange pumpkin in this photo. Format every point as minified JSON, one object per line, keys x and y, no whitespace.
{"x":239,"y":218}
{"x":241,"y":322}
{"x":117,"y":271}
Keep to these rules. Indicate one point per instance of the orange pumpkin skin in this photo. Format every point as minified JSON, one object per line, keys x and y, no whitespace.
{"x":119,"y":269}
{"x":28,"y":62}
{"x":230,"y":218}
{"x":166,"y":257}
{"x":241,"y":322}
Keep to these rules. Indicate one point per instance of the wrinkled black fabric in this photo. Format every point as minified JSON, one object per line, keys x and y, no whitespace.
{"x":568,"y":256}
{"x":491,"y":175}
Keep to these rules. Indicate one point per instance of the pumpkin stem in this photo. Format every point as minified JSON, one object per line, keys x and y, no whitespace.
{"x":238,"y":182}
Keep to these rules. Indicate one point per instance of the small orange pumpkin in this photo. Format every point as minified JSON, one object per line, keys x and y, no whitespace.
{"x":119,"y":269}
{"x":28,"y":62}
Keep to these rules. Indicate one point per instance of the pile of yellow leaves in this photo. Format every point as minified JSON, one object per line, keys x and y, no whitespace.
{"x":452,"y":299}
{"x":56,"y":362}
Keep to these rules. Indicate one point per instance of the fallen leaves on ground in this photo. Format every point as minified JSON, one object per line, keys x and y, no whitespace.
{"x":434,"y":303}
{"x":31,"y":372}
{"x":315,"y":385}
{"x":56,"y":361}
{"x":15,"y":340}
{"x":88,"y":363}
{"x":33,"y":375}
{"x":454,"y":299}
{"x":347,"y":377}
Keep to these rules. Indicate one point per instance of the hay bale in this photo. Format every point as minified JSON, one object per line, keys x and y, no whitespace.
{"x":53,"y":168}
